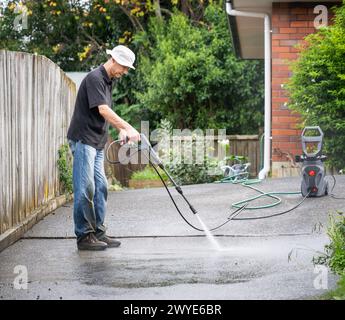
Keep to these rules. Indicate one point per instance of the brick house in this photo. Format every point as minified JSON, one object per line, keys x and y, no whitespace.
{"x":289,"y":23}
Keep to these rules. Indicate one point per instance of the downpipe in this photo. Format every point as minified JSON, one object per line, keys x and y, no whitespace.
{"x":267,"y":32}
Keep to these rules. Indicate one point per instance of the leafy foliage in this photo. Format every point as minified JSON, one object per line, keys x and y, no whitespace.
{"x":186,"y":161}
{"x":148,"y":174}
{"x":194,"y":173}
{"x":334,"y":255}
{"x":74,"y":34}
{"x":186,"y":69}
{"x":64,"y":164}
{"x":317,"y":87}
{"x":339,"y":292}
{"x":192,"y":78}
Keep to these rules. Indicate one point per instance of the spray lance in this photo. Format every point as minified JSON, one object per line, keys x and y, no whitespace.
{"x":147,"y":150}
{"x":145,"y":145}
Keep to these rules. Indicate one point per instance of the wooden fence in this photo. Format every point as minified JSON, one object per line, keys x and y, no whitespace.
{"x":241,"y":145}
{"x":36,"y":105}
{"x":249,"y":146}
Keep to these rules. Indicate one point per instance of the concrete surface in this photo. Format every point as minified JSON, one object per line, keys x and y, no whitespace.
{"x":161,"y":257}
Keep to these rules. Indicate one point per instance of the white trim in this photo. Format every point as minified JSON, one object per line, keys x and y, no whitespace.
{"x":267,"y":34}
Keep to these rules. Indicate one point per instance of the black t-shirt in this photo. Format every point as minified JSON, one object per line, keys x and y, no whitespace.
{"x":87,"y":124}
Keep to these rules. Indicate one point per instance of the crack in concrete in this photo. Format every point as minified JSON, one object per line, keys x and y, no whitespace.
{"x":181,"y":236}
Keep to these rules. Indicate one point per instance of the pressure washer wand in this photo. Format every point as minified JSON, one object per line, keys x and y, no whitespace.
{"x":145,"y":145}
{"x":178,"y":189}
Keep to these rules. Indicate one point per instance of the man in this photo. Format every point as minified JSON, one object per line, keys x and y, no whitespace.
{"x":87,"y":136}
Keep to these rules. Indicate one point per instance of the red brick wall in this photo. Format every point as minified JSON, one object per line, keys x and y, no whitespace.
{"x":291,"y":22}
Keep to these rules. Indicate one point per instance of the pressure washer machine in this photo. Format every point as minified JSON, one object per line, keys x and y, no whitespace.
{"x":314,"y":182}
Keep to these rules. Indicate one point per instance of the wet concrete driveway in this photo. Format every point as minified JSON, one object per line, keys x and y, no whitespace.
{"x":161,"y":257}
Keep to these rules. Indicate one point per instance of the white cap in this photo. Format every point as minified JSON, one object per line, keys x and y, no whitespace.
{"x":123,"y":56}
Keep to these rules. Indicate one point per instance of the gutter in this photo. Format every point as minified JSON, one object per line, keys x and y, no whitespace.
{"x":267,"y":33}
{"x":234,"y":36}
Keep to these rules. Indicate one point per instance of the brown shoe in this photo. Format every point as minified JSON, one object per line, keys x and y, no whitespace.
{"x":111,"y":243}
{"x":90,"y":242}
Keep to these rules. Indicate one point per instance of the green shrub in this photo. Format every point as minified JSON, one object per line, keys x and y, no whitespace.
{"x":194,"y":173}
{"x":64,"y":163}
{"x":185,"y":170}
{"x":317,"y":86}
{"x":191,"y":76}
{"x":114,"y":184}
{"x":339,"y":292}
{"x":334,"y":255}
{"x":336,"y":249}
{"x":148,"y":174}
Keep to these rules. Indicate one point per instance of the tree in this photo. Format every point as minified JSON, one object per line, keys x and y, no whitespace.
{"x":74,"y":34}
{"x":192,"y":78}
{"x":317,"y":87}
{"x":184,"y":57}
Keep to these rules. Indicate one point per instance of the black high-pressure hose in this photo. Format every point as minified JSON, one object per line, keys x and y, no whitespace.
{"x":275,"y":214}
{"x":293,"y":208}
{"x":332,"y":194}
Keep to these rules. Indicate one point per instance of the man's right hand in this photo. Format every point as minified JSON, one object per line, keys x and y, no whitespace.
{"x":129,"y":135}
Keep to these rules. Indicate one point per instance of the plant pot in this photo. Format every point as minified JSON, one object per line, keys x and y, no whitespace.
{"x":139,"y":184}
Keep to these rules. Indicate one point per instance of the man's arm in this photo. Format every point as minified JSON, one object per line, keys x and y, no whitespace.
{"x":125,"y":129}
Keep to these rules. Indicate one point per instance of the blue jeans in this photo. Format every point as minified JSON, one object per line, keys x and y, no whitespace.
{"x":90,"y":189}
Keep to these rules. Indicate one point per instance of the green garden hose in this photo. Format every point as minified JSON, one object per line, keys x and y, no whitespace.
{"x":262,"y":194}
{"x":248,"y":183}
